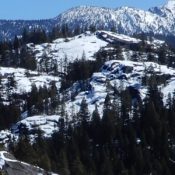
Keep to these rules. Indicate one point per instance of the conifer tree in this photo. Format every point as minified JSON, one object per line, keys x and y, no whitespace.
{"x":83,"y":114}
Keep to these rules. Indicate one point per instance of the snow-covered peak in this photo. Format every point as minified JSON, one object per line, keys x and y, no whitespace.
{"x":167,"y":11}
{"x":170,"y":5}
{"x":125,"y":20}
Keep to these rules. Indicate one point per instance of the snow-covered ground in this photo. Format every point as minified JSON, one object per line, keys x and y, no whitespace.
{"x":87,"y":44}
{"x":72,"y":48}
{"x":116,"y":74}
{"x":24,"y":80}
{"x":2,"y":161}
{"x":47,"y":124}
{"x":120,"y":75}
{"x":68,"y":50}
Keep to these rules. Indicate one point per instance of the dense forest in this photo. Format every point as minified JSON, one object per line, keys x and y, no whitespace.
{"x":116,"y":143}
{"x":131,"y":137}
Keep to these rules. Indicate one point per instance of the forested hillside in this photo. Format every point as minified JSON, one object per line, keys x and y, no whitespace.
{"x":91,"y":103}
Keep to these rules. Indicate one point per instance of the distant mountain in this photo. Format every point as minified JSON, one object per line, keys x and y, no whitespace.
{"x":126,"y":20}
{"x":10,"y":28}
{"x":157,"y":20}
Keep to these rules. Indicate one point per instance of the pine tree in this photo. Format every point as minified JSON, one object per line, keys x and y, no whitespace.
{"x":16,"y":43}
{"x":24,"y":151}
{"x":63,"y":165}
{"x":95,"y":126}
{"x":77,"y":167}
{"x":83,"y":114}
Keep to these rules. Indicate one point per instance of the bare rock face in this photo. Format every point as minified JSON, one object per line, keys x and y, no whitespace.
{"x":18,"y":168}
{"x":10,"y":166}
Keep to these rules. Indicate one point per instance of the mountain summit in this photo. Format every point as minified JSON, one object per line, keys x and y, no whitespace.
{"x":125,"y":20}
{"x":170,"y":5}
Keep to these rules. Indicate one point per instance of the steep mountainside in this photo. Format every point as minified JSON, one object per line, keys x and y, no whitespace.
{"x":158,"y":20}
{"x":127,"y":20}
{"x":130,"y":71}
{"x":63,"y":102}
{"x":10,"y":28}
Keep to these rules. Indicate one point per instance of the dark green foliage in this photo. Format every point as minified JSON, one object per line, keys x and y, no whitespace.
{"x":130,"y":137}
{"x":80,"y":71}
{"x":9,"y":114}
{"x":113,"y":144}
{"x":27,"y":60}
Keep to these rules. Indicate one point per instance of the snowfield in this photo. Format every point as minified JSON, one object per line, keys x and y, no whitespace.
{"x":71,"y":48}
{"x":86,"y":44}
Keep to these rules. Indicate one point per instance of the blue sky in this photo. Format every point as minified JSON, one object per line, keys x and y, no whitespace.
{"x":38,"y":9}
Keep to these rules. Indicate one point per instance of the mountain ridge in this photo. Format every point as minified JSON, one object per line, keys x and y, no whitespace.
{"x":125,"y":20}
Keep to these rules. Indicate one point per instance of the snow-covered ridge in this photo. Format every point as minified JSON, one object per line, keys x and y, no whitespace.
{"x":47,"y":124}
{"x":125,"y":20}
{"x":170,"y":5}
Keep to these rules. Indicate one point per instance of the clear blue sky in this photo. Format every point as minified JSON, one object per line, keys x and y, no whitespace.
{"x":38,"y":9}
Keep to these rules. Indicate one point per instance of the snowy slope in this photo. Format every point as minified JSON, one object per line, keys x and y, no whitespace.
{"x":47,"y":124}
{"x":24,"y":80}
{"x":70,"y":48}
{"x":87,"y":44}
{"x":118,"y":74}
{"x":121,"y":75}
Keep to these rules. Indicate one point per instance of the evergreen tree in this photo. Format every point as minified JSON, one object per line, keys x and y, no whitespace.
{"x":83,"y":114}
